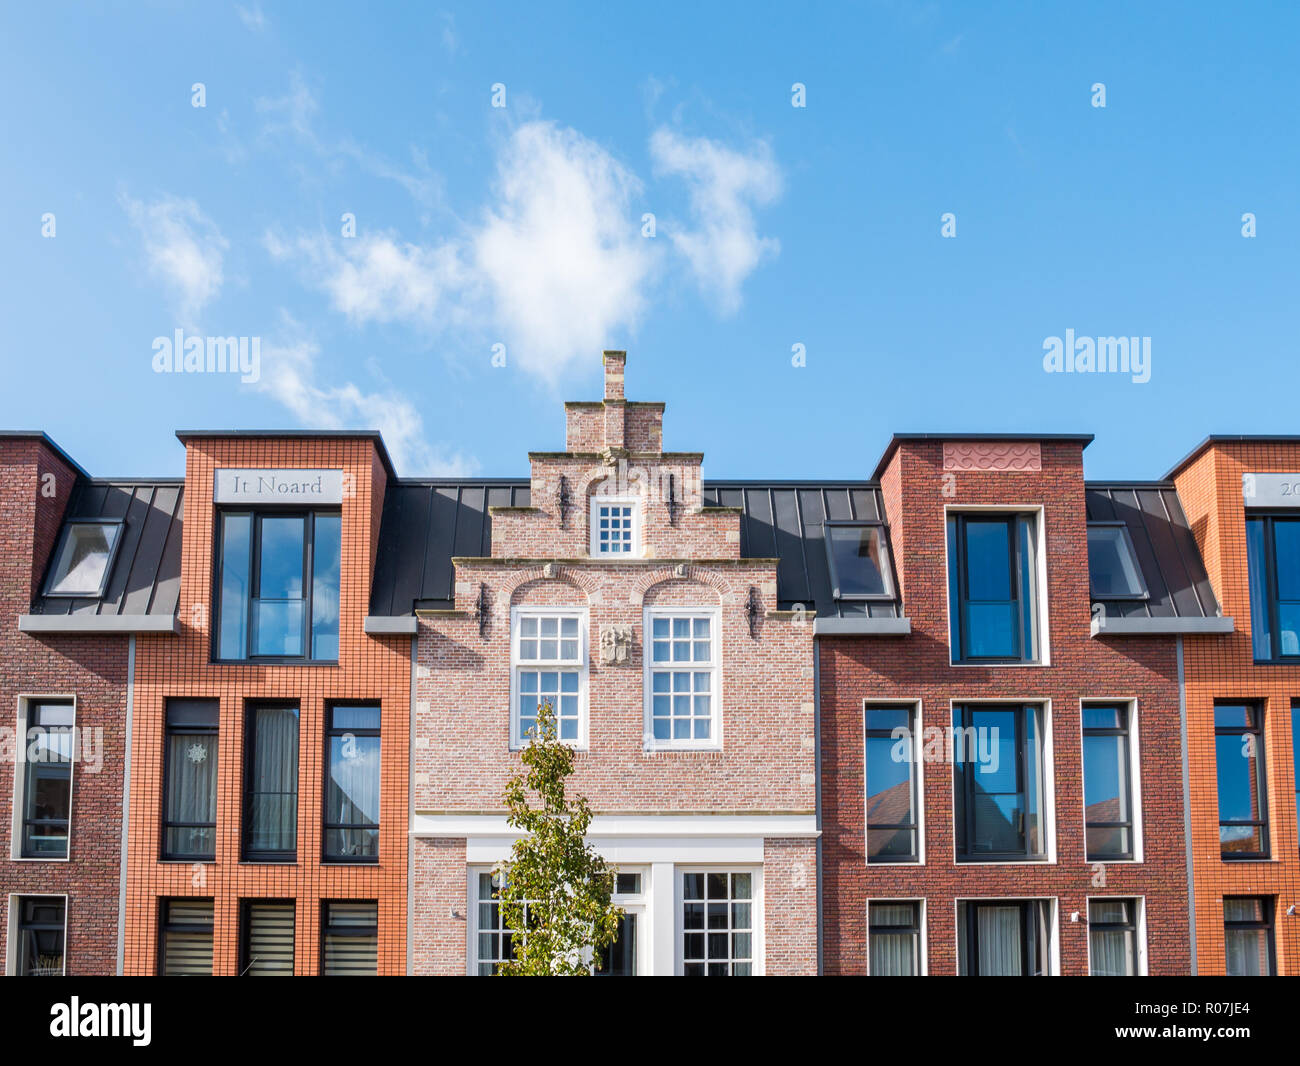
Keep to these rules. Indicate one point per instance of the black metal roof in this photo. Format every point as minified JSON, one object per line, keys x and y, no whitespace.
{"x":145,"y":579}
{"x":1166,"y":550}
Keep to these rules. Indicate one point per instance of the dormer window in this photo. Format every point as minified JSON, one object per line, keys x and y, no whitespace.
{"x":859,"y":561}
{"x":84,"y":559}
{"x":1113,"y":571}
{"x":615,"y":527}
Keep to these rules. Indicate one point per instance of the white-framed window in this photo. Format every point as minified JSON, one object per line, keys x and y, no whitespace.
{"x":38,"y":936}
{"x":615,"y":526}
{"x":1112,"y":780}
{"x":1116,"y":936}
{"x":1007,"y":938}
{"x":719,"y":922}
{"x":896,"y":938}
{"x":549,"y":665}
{"x":683,"y":706}
{"x":43,"y":776}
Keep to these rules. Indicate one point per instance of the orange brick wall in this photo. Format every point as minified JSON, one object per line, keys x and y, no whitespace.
{"x":1222,"y":668}
{"x":369,"y":668}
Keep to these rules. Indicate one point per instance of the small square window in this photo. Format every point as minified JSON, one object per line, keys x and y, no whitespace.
{"x":1113,"y":571}
{"x":84,"y":558}
{"x":614,"y":527}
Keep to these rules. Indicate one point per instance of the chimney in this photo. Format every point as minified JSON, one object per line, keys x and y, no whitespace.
{"x":615,"y":361}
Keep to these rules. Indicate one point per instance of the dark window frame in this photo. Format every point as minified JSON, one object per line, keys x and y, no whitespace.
{"x":1126,"y":732}
{"x":165,"y":853}
{"x":326,"y":825}
{"x":64,"y":534}
{"x":1030,"y":921}
{"x":966,"y":784}
{"x":1129,"y":926}
{"x":913,"y":718}
{"x":959,"y":585}
{"x":1266,"y":925}
{"x":1256,"y":729}
{"x":165,"y":927}
{"x":246,"y":854}
{"x":1268,"y":520}
{"x":255,"y":515}
{"x":1127,"y":537}
{"x":21,"y":901}
{"x":346,"y":930}
{"x":913,"y":929}
{"x":890,"y":594}
{"x":245,"y":929}
{"x":31,"y":720}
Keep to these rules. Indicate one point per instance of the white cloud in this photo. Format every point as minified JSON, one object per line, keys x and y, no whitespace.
{"x":252,"y":17}
{"x":289,"y":375}
{"x":724,"y":185}
{"x":561,"y":254}
{"x":183,"y":248}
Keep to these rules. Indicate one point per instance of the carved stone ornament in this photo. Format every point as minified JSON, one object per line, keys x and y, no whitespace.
{"x":679,"y":570}
{"x":548,"y":570}
{"x":615,"y":644}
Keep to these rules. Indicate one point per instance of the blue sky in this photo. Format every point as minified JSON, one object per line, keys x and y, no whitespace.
{"x":775,"y":225}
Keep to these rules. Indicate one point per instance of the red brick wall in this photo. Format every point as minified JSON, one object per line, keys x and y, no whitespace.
{"x":92,"y":669}
{"x":917,"y":668}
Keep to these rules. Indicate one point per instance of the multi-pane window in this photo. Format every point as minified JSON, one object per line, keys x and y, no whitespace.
{"x":1004,"y":938}
{"x":894,"y":932}
{"x":619,"y":957}
{"x":999,"y":808}
{"x":1112,"y":937}
{"x":718,"y":924}
{"x":1107,"y":784}
{"x":1248,"y":936}
{"x":266,"y":938}
{"x":185,"y":938}
{"x":41,"y":936}
{"x":891,"y":766}
{"x":992,"y":583}
{"x":613,"y":527}
{"x":1113,"y":571}
{"x":82,"y":559}
{"x":47,"y":779}
{"x":494,"y":940}
{"x":352,"y":784}
{"x":1243,"y":797}
{"x":683,"y":679}
{"x":350,"y":938}
{"x":278,"y":588}
{"x":1273,"y":563}
{"x":550,"y":661}
{"x":271,"y":782}
{"x":859,"y":561}
{"x":190,"y":780}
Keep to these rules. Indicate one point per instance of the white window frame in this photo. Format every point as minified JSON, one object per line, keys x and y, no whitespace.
{"x":757,"y":943}
{"x":593,"y":518}
{"x":1135,"y":779}
{"x":714,"y":614}
{"x":1140,"y":931}
{"x":1038,"y":512}
{"x":25,"y":700}
{"x":918,"y":764}
{"x":922,"y":931}
{"x":517,"y":740}
{"x":15,"y":920}
{"x":1053,"y":921}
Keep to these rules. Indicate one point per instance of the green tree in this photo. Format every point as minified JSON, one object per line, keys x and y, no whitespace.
{"x":555,"y":891}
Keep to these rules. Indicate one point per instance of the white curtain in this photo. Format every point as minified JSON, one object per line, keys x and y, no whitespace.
{"x":998,"y":932}
{"x":275,"y":779}
{"x":191,"y":791}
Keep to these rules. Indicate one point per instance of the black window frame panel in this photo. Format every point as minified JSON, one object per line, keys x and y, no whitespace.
{"x":23,"y":902}
{"x":1268,"y":519}
{"x":246,"y":853}
{"x":165,"y":927}
{"x":64,"y":535}
{"x":246,"y":928}
{"x":959,"y":582}
{"x":1128,"y":926}
{"x":256,"y":514}
{"x":913,"y":725}
{"x":1136,"y":597}
{"x":1266,"y":925}
{"x":33,"y":706}
{"x":169,"y":730}
{"x":890,"y":594}
{"x":346,"y":930}
{"x":913,"y":929}
{"x":1033,"y":931}
{"x":326,"y":825}
{"x":966,"y":783}
{"x":1256,"y":729}
{"x":1126,"y":732}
